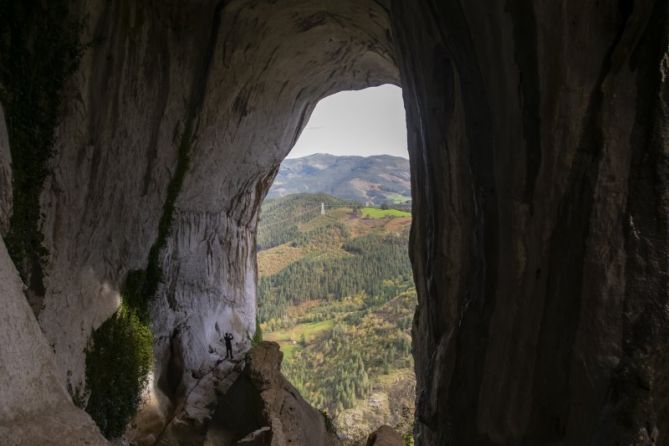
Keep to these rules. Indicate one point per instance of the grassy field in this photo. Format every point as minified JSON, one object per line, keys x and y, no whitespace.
{"x":331,"y":215}
{"x":381,"y":213}
{"x":397,"y":198}
{"x":289,"y":338}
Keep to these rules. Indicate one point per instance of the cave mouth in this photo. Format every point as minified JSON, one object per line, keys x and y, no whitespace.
{"x":335,"y":287}
{"x":294,"y":57}
{"x":228,"y":88}
{"x":249,"y":106}
{"x":538,"y":240}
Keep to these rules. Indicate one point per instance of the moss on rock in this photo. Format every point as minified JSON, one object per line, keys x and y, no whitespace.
{"x":120,"y":356}
{"x":39,"y":49}
{"x":118,"y":363}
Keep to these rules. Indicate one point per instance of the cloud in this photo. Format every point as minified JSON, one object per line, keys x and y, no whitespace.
{"x":365,"y":122}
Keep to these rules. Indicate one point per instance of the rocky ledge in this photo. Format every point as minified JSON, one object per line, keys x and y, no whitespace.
{"x":263,"y":408}
{"x":385,"y":436}
{"x":253,"y":405}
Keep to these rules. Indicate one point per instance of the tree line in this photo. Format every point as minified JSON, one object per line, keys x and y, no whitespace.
{"x":373,"y":262}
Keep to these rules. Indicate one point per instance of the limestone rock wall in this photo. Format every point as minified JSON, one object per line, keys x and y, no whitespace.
{"x":538,"y":139}
{"x":538,"y":142}
{"x":35,"y":408}
{"x":270,"y":63}
{"x":235,"y":82}
{"x":116,"y":150}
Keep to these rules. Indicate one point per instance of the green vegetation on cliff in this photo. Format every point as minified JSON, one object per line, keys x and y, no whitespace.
{"x":39,"y":49}
{"x":120,"y":354}
{"x":118,"y":362}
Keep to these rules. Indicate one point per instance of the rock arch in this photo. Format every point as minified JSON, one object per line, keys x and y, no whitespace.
{"x":538,"y":139}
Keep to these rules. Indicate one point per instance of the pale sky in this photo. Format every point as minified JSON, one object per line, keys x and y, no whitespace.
{"x":365,"y":122}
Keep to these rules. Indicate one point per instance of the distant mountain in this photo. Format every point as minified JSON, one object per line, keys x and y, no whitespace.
{"x":375,"y":179}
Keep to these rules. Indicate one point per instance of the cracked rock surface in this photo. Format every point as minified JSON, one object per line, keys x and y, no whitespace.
{"x":538,"y":136}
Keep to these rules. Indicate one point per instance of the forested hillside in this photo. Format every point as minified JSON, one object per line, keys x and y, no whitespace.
{"x":280,"y":217}
{"x":336,"y":292}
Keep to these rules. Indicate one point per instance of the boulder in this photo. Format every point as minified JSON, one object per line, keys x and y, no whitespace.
{"x":263,"y":408}
{"x":385,"y":436}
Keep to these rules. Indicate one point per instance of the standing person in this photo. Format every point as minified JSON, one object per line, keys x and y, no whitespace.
{"x":228,"y":345}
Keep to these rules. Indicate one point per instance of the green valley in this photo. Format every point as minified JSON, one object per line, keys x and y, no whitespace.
{"x":383,"y":213}
{"x":336,"y":292}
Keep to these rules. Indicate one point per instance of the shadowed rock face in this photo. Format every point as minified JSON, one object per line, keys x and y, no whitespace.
{"x":538,"y":143}
{"x":384,"y":436}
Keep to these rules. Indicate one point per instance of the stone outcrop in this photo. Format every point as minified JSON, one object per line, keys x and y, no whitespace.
{"x":384,"y":436}
{"x":254,"y":405}
{"x":261,"y":393}
{"x":538,"y":143}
